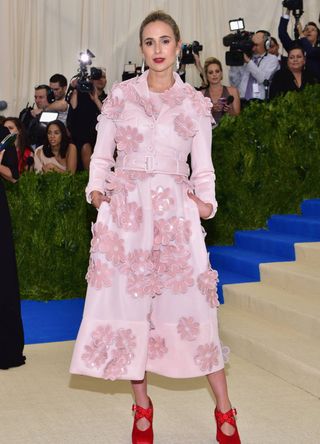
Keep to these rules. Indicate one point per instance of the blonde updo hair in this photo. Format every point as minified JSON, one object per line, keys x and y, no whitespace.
{"x":160,"y":16}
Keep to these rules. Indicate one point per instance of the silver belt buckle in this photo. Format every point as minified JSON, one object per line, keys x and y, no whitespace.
{"x":148,"y":163}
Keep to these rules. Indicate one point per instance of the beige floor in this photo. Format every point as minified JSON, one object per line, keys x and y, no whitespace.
{"x":41,"y":403}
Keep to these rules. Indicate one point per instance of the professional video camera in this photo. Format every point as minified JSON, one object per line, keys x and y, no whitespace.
{"x":240,"y":43}
{"x":187,"y":50}
{"x":296,"y":6}
{"x":131,"y":70}
{"x":84,"y":79}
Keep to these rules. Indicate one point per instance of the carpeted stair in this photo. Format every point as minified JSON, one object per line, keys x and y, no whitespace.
{"x":240,"y":263}
{"x":275,"y":323}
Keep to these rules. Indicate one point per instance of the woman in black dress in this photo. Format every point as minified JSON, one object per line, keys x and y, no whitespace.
{"x":294,"y":76}
{"x":11,"y":329}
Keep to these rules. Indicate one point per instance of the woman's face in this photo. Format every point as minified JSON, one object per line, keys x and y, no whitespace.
{"x":54,"y":135}
{"x":159,"y":46}
{"x":296,"y":60}
{"x":11,"y":127}
{"x":214,"y":74}
{"x":311,"y":33}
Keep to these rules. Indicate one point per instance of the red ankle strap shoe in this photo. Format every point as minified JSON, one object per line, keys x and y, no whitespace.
{"x":142,"y":436}
{"x":229,"y":417}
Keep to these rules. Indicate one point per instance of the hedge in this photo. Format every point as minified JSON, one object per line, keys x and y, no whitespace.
{"x":267,"y":160}
{"x":51,"y":225}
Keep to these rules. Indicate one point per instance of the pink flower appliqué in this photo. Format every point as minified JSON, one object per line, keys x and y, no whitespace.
{"x":113,"y":107}
{"x":202,"y":104}
{"x":207,"y":357}
{"x":128,"y":139}
{"x":161,"y":200}
{"x":207,"y":283}
{"x":100,"y":232}
{"x":180,"y":281}
{"x":96,"y":353}
{"x":173,"y":97}
{"x":225,"y":352}
{"x":114,"y":249}
{"x":156,"y":347}
{"x":188,"y":329}
{"x":119,"y":345}
{"x":166,"y":231}
{"x":119,"y":181}
{"x":131,"y":217}
{"x":99,"y":274}
{"x":184,"y":126}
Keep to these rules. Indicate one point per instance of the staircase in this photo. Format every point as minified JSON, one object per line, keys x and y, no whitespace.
{"x":240,"y":263}
{"x":275,"y":323}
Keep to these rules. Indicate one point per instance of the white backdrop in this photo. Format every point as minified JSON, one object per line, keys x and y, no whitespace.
{"x":42,"y":37}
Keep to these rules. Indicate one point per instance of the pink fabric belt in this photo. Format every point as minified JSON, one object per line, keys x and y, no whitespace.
{"x":153,"y":164}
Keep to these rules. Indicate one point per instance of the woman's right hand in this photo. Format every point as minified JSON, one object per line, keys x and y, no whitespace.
{"x":97,"y":198}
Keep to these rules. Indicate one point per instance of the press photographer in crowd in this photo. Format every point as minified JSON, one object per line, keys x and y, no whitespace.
{"x":309,"y":36}
{"x":31,"y":116}
{"x":58,"y":84}
{"x":85,"y":96}
{"x":253,"y":77}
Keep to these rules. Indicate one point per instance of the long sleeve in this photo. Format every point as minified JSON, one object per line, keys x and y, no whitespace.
{"x":269,"y":65}
{"x":203,"y":176}
{"x":102,"y":159}
{"x":283,"y":33}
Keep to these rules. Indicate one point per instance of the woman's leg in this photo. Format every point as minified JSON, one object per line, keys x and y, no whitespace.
{"x":218,"y":384}
{"x":140,"y":389}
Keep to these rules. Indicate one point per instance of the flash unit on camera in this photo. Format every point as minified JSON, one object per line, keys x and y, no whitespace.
{"x":236,"y":25}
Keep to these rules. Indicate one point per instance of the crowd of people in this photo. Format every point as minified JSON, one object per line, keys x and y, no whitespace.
{"x":264,"y":75}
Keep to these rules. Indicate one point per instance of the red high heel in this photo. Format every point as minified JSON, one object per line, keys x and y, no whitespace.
{"x":142,"y":436}
{"x":229,"y":417}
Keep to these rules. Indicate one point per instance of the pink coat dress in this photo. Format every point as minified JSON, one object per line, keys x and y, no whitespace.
{"x":151,"y":302}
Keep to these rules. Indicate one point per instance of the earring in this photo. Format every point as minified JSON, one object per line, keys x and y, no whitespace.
{"x":177,"y":63}
{"x":142,"y":67}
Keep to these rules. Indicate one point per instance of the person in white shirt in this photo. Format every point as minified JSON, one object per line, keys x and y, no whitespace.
{"x":252,"y":79}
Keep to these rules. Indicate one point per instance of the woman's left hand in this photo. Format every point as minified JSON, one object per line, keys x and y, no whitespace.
{"x":205,"y":209}
{"x":1,"y":155}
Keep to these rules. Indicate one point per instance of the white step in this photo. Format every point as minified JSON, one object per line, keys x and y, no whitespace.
{"x":281,"y":350}
{"x":295,"y":277}
{"x":297,"y":311}
{"x":309,"y":253}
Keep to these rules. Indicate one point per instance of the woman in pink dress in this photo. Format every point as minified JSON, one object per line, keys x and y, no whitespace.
{"x":151,"y":302}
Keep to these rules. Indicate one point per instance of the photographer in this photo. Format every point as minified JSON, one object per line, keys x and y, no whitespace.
{"x":30,"y":116}
{"x":82,"y":115}
{"x":252,"y":78}
{"x":308,"y":37}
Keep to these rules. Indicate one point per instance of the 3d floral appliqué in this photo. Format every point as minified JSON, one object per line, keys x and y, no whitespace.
{"x":128,"y":139}
{"x":117,"y":346}
{"x":185,"y":126}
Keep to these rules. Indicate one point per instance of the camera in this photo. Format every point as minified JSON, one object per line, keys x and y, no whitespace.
{"x":240,"y":43}
{"x":84,"y":83}
{"x":131,"y":70}
{"x":187,"y":50}
{"x":296,"y":6}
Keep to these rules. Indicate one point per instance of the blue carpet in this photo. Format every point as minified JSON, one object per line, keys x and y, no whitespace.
{"x":60,"y":320}
{"x":51,"y":321}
